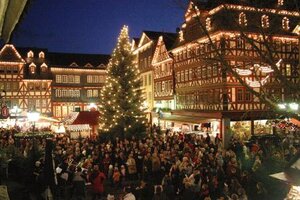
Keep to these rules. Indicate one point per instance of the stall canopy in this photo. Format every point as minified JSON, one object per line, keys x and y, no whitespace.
{"x":81,"y":121}
{"x":291,"y":174}
{"x":10,"y":14}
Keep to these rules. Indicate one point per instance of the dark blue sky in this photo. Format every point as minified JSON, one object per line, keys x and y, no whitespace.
{"x":92,"y":26}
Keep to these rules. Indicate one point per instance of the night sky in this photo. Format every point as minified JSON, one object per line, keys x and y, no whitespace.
{"x":92,"y":26}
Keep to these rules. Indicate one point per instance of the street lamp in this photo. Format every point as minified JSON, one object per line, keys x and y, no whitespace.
{"x":16,"y":110}
{"x":33,"y":117}
{"x":291,"y":106}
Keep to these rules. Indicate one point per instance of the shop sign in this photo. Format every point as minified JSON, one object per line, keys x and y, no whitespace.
{"x":4,"y":112}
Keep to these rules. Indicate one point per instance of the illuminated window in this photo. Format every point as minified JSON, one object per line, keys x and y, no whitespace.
{"x":280,"y":2}
{"x":32,"y":67}
{"x":41,"y":55}
{"x":43,"y":67}
{"x":92,"y":93}
{"x":243,"y":19}
{"x":265,"y":21}
{"x":286,"y":23}
{"x":239,"y":94}
{"x":288,"y":70}
{"x":181,"y":38}
{"x":58,"y":78}
{"x":208,"y":24}
{"x":30,"y":54}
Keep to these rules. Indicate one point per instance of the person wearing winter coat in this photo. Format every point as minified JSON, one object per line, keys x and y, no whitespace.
{"x":78,"y":185}
{"x":131,"y":164}
{"x":97,"y":180}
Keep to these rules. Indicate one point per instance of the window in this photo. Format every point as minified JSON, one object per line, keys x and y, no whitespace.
{"x":64,"y":78}
{"x":163,"y":86}
{"x":215,"y":70}
{"x":208,"y":71}
{"x":265,"y":23}
{"x":247,"y":96}
{"x":37,"y":86}
{"x":186,"y":77}
{"x":30,"y":54}
{"x":30,"y":86}
{"x":285,"y":23}
{"x":288,"y":70}
{"x":92,"y":93}
{"x":37,"y":103}
{"x":280,"y":2}
{"x":58,"y":78}
{"x":239,"y":94}
{"x":150,"y":79}
{"x":190,"y":74}
{"x":32,"y":68}
{"x":43,"y":67}
{"x":243,"y":19}
{"x":240,"y":43}
{"x":208,"y":24}
{"x":31,"y":104}
{"x":41,"y":55}
{"x":67,"y":93}
{"x":44,"y":86}
{"x":44,"y":103}
{"x":181,"y":37}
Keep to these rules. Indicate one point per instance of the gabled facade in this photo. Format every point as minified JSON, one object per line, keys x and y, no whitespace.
{"x":204,"y":88}
{"x":144,"y":54}
{"x":53,"y":84}
{"x":162,"y":62}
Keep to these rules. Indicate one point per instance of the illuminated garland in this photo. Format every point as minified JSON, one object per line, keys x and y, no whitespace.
{"x":263,"y":69}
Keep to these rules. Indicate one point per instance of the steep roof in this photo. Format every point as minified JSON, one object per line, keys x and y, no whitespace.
{"x":87,"y":117}
{"x":154,"y":35}
{"x":9,"y":54}
{"x":66,"y":59}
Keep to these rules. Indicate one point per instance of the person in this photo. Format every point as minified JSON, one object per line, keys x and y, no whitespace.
{"x":78,"y":185}
{"x":131,"y":164}
{"x":97,"y":180}
{"x":128,"y":194}
{"x":159,"y":194}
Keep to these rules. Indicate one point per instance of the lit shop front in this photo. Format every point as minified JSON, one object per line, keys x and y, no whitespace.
{"x":187,"y":124}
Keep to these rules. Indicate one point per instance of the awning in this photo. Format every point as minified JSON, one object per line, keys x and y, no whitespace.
{"x":194,"y":120}
{"x":10,"y":13}
{"x":78,"y":127}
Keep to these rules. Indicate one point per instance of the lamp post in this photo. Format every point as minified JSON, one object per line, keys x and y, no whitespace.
{"x":33,"y":117}
{"x":16,"y":110}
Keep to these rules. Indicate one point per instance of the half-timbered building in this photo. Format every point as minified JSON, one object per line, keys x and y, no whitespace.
{"x":144,"y":52}
{"x":215,"y":33}
{"x":54,"y":84}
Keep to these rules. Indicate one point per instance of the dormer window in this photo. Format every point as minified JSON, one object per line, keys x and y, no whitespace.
{"x":41,"y":55}
{"x":30,"y":54}
{"x":32,"y":67}
{"x":280,"y":2}
{"x":44,"y":67}
{"x":208,"y":24}
{"x":243,"y":19}
{"x":181,"y":38}
{"x":265,"y":23}
{"x":285,"y":23}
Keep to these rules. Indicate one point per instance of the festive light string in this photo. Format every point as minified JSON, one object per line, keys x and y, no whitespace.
{"x":264,"y":69}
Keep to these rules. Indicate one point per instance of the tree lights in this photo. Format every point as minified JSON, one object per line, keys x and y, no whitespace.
{"x":121,"y":98}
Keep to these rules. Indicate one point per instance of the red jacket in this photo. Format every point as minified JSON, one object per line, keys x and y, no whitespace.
{"x":98,"y":183}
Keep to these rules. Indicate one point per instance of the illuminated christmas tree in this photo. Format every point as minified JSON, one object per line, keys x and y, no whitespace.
{"x":121,"y":110}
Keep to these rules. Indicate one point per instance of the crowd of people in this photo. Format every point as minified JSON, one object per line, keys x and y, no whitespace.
{"x":168,"y":166}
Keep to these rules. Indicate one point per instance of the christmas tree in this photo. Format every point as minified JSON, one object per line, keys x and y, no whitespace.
{"x":121,"y":110}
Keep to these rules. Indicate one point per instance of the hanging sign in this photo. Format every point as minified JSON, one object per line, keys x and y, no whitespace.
{"x":4,"y":112}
